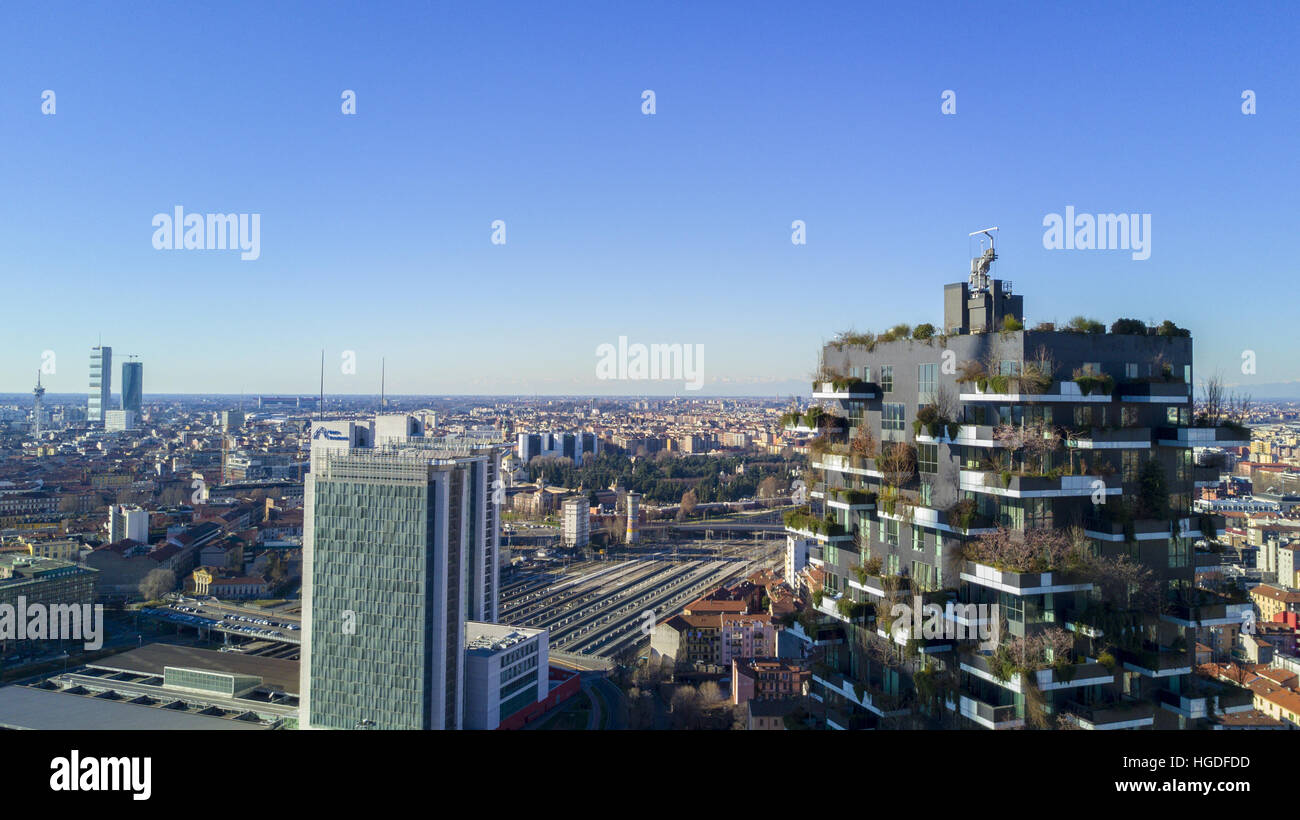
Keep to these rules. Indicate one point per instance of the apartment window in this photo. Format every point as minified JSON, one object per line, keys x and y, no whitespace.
{"x":1009,"y":367}
{"x":857,"y":413}
{"x":1128,"y":417}
{"x":918,"y":539}
{"x":923,"y":576}
{"x":1178,"y":552}
{"x":1012,"y":606}
{"x":887,"y":378}
{"x":925,"y":381}
{"x":1187,"y":374}
{"x":892,"y":415}
{"x":1011,"y":515}
{"x":1131,"y":464}
{"x":1038,"y":513}
{"x":927,"y":458}
{"x":853,"y":372}
{"x":866,"y":373}
{"x":927,"y":494}
{"x":1038,"y":413}
{"x":891,"y":563}
{"x":891,"y":533}
{"x":1130,"y":370}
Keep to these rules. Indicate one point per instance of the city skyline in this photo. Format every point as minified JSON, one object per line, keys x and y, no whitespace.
{"x":671,"y":227}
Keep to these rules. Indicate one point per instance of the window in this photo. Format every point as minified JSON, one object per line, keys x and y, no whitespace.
{"x":1131,"y":464}
{"x":927,"y":494}
{"x":1130,"y":370}
{"x":1038,"y":513}
{"x":925,"y":381}
{"x":1009,"y":367}
{"x":891,"y":533}
{"x":927,"y":458}
{"x":887,"y":378}
{"x":1178,"y":552}
{"x":866,"y":373}
{"x":923,"y":576}
{"x":857,"y":413}
{"x":918,"y":539}
{"x":892,"y":416}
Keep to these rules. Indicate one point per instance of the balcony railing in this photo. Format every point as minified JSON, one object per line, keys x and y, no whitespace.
{"x":1202,"y":437}
{"x":1156,"y":664}
{"x":1125,"y":713}
{"x":1154,"y":392}
{"x":988,"y":715}
{"x":1100,"y":438}
{"x":1025,"y":486}
{"x":1023,"y":583}
{"x":856,"y":390}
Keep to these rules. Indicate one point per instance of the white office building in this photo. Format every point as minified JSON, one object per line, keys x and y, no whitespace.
{"x":118,"y":421}
{"x":128,"y":521}
{"x":506,"y":669}
{"x":576,"y":523}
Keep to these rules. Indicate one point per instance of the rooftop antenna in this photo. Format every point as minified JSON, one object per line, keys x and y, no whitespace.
{"x":381,"y":384}
{"x":320,"y":408}
{"x":980,"y":265}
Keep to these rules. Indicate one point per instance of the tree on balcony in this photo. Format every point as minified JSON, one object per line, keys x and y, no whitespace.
{"x":1220,"y":408}
{"x":1033,"y":550}
{"x":1028,"y":447}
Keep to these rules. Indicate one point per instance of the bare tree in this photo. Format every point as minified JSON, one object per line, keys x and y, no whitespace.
{"x":1211,"y":406}
{"x":157,"y":583}
{"x":897,"y":464}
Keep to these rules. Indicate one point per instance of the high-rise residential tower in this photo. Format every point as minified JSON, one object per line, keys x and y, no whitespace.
{"x":133,"y":387}
{"x":399,"y":552}
{"x":101,"y":383}
{"x":1034,"y":480}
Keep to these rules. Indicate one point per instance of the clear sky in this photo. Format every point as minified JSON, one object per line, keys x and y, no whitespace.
{"x":666,"y":228}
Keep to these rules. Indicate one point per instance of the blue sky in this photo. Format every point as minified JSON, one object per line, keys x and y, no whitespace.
{"x":671,"y":228}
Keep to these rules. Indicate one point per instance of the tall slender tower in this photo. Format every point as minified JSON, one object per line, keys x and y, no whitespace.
{"x":101,"y":383}
{"x":37,"y":393}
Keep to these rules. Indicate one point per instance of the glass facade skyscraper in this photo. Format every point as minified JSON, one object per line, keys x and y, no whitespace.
{"x":133,"y":386}
{"x":397,"y":556}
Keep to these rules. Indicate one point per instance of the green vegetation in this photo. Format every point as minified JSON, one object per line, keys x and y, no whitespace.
{"x":809,"y":418}
{"x":923,"y":332}
{"x":1090,"y":382}
{"x":1010,"y":324}
{"x":1129,"y":327}
{"x":1082,"y":324}
{"x":663,"y":480}
{"x":803,"y":519}
{"x":848,"y":496}
{"x":965,"y":515}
